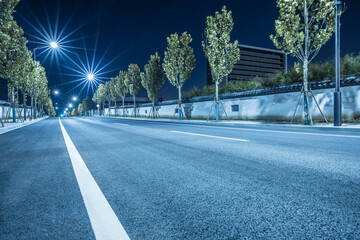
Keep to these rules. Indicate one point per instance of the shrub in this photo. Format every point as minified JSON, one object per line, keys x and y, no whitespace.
{"x":350,"y":64}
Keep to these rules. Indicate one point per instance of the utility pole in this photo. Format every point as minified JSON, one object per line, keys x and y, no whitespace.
{"x":337,"y":93}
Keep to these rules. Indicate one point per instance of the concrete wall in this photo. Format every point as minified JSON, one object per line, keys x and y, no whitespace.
{"x":4,"y":111}
{"x":267,"y":107}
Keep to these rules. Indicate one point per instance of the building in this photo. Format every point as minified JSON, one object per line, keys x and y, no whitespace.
{"x":254,"y":62}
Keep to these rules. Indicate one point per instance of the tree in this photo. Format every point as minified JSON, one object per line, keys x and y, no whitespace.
{"x":8,"y":29}
{"x":96,"y":99}
{"x":114,"y":92}
{"x":86,"y":103}
{"x":132,"y":81}
{"x":302,"y":28}
{"x":219,"y":51}
{"x":80,"y":109}
{"x":108,"y":93}
{"x":100,"y":96}
{"x":121,"y":88}
{"x":74,"y":112}
{"x":179,"y":61}
{"x":153,"y":79}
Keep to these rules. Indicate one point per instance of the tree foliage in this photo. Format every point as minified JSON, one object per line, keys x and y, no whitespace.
{"x":179,"y":60}
{"x":120,"y":86}
{"x":303,"y":27}
{"x":152,"y":78}
{"x":16,"y":64}
{"x":132,"y":80}
{"x":219,"y":51}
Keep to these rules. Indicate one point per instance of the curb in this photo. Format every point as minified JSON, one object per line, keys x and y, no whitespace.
{"x":247,"y":125}
{"x":12,"y":128}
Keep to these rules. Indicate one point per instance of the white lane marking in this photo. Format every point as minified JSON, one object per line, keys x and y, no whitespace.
{"x":204,"y":135}
{"x":122,"y":124}
{"x":103,"y":220}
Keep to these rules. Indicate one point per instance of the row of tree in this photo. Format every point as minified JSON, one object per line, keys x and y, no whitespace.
{"x":178,"y":63}
{"x":25,"y":77}
{"x":302,"y":28}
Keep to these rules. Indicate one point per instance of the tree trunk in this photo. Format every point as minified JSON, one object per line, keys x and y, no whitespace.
{"x":35,"y":106}
{"x":153,"y":108}
{"x":32,"y":107}
{"x":115,"y":107}
{"x":134,"y":107}
{"x":24,"y":105}
{"x":305,"y":65}
{"x":180,"y":107}
{"x":109,"y":106}
{"x":13,"y":105}
{"x":123,"y":104}
{"x":217,"y":100}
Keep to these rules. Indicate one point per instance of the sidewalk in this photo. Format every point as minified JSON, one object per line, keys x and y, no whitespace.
{"x":254,"y":124}
{"x":10,"y":126}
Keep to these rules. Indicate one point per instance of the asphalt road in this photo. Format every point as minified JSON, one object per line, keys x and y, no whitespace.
{"x":181,"y":181}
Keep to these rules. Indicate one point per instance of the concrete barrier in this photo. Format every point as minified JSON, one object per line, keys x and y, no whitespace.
{"x":275,"y":107}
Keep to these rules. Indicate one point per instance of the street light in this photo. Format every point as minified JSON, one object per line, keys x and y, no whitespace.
{"x":70,"y":105}
{"x":66,"y":109}
{"x":74,"y":98}
{"x":90,"y":76}
{"x":56,"y":92}
{"x":337,"y":93}
{"x":53,"y":45}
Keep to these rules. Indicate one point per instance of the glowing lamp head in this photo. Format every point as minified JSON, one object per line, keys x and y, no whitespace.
{"x":70,"y":105}
{"x":90,"y":76}
{"x":66,"y":109}
{"x":56,"y":92}
{"x":74,"y":98}
{"x":54,"y":45}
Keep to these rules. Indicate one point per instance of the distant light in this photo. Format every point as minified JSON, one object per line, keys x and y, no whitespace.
{"x":54,"y":45}
{"x":97,"y":105}
{"x":56,"y":92}
{"x":66,"y":109}
{"x":70,"y":105}
{"x":74,"y":98}
{"x":56,"y":108}
{"x":56,"y":103}
{"x":61,"y":115}
{"x":90,"y":76}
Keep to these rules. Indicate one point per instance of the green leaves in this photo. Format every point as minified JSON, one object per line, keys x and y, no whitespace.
{"x":100,"y":94}
{"x":303,"y":27}
{"x":132,"y":80}
{"x":153,"y":77}
{"x":220,"y":53}
{"x":179,"y":60}
{"x":120,"y":86}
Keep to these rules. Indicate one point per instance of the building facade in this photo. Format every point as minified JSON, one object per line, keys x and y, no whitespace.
{"x":254,"y":62}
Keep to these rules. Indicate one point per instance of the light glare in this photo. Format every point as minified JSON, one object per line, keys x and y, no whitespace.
{"x":54,"y":45}
{"x":90,"y":76}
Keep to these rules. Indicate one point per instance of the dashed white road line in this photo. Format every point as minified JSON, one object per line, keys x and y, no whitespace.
{"x":103,"y":220}
{"x":211,"y":136}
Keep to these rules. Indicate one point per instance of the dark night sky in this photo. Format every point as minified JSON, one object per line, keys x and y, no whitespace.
{"x":129,"y":31}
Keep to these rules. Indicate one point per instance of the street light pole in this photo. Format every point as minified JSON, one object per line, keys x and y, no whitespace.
{"x":337,"y":93}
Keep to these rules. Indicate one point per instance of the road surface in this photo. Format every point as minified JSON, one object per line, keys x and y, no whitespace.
{"x":103,"y":178}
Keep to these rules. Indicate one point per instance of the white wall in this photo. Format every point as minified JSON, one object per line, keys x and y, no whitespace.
{"x":268,"y":107}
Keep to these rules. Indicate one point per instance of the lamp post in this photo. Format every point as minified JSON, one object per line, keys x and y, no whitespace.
{"x":337,"y":93}
{"x":53,"y":45}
